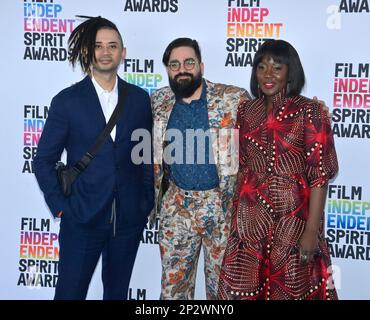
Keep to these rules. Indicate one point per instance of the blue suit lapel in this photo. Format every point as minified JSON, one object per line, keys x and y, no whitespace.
{"x":122,"y":125}
{"x":90,"y":98}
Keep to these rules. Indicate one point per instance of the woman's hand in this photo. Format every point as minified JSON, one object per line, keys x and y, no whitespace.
{"x":308,"y":246}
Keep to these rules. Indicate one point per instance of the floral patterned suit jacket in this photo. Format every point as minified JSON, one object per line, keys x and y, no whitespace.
{"x":222,"y":104}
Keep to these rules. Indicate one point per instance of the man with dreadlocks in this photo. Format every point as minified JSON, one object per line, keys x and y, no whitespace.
{"x":111,"y":199}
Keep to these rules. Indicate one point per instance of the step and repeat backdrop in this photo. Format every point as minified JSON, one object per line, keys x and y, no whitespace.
{"x":331,"y":37}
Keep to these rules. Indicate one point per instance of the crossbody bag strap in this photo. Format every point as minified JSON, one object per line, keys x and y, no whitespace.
{"x":90,"y":154}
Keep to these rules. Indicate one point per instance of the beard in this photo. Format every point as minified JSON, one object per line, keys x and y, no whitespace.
{"x":185,"y":88}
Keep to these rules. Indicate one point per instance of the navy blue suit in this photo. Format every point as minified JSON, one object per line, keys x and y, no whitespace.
{"x":88,"y":227}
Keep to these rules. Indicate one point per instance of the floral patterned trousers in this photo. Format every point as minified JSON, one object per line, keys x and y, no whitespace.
{"x":189,"y":221}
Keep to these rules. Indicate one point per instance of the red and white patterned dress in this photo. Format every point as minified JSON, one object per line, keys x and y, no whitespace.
{"x":282,"y":155}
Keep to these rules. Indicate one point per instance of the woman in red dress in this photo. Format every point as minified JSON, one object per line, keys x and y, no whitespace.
{"x":276,"y":248}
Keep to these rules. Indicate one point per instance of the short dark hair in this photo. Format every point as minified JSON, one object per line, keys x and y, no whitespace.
{"x":81,"y":42}
{"x":281,"y":52}
{"x":181,"y":42}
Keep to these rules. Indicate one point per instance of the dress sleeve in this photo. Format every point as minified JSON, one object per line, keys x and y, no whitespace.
{"x":321,"y":157}
{"x":240,"y":126}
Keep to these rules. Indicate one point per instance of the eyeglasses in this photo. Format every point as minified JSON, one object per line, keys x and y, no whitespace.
{"x":188,"y":64}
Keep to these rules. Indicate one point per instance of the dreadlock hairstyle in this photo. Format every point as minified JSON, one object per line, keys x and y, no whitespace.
{"x":81,"y":42}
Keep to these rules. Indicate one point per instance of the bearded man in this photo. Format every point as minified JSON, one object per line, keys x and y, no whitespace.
{"x":194,"y":169}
